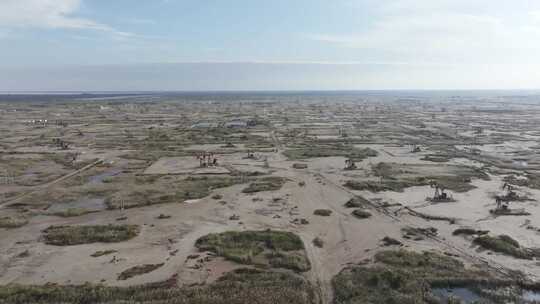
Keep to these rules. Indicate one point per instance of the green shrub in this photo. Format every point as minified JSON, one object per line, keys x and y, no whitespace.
{"x":322,"y":212}
{"x":75,"y":235}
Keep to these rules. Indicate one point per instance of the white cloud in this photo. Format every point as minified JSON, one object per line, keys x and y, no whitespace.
{"x":48,"y":14}
{"x":447,"y":31}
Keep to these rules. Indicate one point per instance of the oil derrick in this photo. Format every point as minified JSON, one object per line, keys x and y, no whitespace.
{"x":61,"y":123}
{"x":502,"y":202}
{"x":61,"y":144}
{"x":350,"y":164}
{"x":440,"y":196}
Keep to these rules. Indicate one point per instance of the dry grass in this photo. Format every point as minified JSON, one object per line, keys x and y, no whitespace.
{"x":138,"y":270}
{"x":75,"y":235}
{"x":271,"y":183}
{"x":12,"y":222}
{"x":408,"y":277}
{"x":361,"y":214}
{"x":237,"y":287}
{"x":261,"y":248}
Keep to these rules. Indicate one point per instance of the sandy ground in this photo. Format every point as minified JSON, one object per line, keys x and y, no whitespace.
{"x":347,"y":240}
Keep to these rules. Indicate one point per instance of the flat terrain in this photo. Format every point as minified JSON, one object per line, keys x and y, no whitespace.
{"x":127,"y":202}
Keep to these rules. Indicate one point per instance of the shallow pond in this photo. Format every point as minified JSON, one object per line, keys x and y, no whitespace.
{"x":100,"y":177}
{"x":464,"y":294}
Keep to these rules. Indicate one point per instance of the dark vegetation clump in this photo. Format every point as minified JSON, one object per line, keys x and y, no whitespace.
{"x":102,"y":253}
{"x":318,"y":242}
{"x":75,"y":235}
{"x":138,"y":270}
{"x":361,"y":214}
{"x":271,"y":183}
{"x":506,"y":245}
{"x":395,"y":177}
{"x":314,"y":151}
{"x":356,"y":202}
{"x":236,"y":287}
{"x":418,"y":234}
{"x":388,"y":241}
{"x":72,"y":212}
{"x":409,"y":277}
{"x":469,"y":231}
{"x":322,"y":212}
{"x":12,"y":222}
{"x":260,"y":248}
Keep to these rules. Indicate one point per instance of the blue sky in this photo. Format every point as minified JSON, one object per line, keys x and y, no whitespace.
{"x":278,"y":44}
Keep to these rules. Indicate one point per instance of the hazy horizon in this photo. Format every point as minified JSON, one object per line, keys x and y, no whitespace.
{"x":181,"y":45}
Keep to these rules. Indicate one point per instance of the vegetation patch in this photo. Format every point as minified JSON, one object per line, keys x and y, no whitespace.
{"x":409,"y":277}
{"x":322,"y":212}
{"x":318,"y":242}
{"x":261,"y":248}
{"x":437,"y":158}
{"x":356,"y":202}
{"x":161,"y":190}
{"x":418,"y":234}
{"x":506,"y":245}
{"x":138,"y":270}
{"x":396,"y":177}
{"x":430,"y":217}
{"x":102,"y":253}
{"x":236,"y":287}
{"x":529,"y":180}
{"x":12,"y":222}
{"x":378,"y":186}
{"x":75,"y":235}
{"x":469,"y":231}
{"x":388,"y":241}
{"x":314,"y":151}
{"x":72,"y":212}
{"x":361,"y":214}
{"x":271,"y":183}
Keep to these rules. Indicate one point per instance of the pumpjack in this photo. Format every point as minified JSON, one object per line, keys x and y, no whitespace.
{"x":510,"y":193}
{"x":350,"y":164}
{"x":61,"y":144}
{"x":502,"y":202}
{"x":440,"y":196}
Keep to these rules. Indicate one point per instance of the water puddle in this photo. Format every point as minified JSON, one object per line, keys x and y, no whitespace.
{"x":100,"y":177}
{"x":531,"y":296}
{"x":464,"y":294}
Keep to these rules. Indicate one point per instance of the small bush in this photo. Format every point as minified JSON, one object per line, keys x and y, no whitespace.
{"x":72,"y":212}
{"x":265,"y":184}
{"x":469,"y":231}
{"x":388,"y":241}
{"x":11,"y":223}
{"x":356,"y":202}
{"x":138,"y":270}
{"x":323,"y":212}
{"x":102,"y":253}
{"x":318,"y":242}
{"x":361,"y":214}
{"x":504,"y":244}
